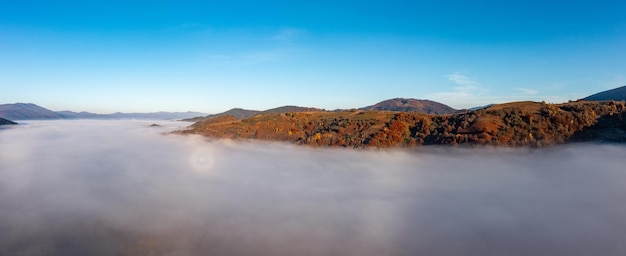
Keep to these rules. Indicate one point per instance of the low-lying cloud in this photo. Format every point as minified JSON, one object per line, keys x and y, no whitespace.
{"x":124,"y":188}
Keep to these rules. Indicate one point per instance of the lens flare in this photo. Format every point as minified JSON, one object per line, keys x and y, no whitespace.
{"x":202,"y":160}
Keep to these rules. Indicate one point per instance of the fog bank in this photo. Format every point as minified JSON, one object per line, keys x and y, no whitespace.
{"x":123,"y":188}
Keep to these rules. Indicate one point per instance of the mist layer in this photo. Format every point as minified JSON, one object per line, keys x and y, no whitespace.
{"x":125,"y":188}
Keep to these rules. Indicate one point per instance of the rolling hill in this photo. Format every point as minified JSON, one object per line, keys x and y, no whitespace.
{"x":411,"y":105}
{"x":287,"y":109}
{"x":240,"y":113}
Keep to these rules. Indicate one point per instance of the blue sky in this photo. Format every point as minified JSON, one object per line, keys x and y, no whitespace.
{"x":210,"y":56}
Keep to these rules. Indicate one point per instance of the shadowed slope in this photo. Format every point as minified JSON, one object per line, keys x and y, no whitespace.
{"x":614,"y":94}
{"x":6,"y":122}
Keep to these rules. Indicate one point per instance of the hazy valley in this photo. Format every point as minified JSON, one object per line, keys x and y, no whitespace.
{"x":124,"y":187}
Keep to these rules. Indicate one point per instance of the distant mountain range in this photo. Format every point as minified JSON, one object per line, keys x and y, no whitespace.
{"x":617,"y":94}
{"x":29,"y":111}
{"x":154,"y":115}
{"x":26,"y":111}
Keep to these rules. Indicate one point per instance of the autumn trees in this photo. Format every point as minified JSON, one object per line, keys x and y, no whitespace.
{"x":512,"y":124}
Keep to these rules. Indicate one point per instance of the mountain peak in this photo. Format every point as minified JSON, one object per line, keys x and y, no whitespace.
{"x":411,"y":105}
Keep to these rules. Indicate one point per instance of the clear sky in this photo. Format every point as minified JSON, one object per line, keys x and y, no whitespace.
{"x":210,"y":56}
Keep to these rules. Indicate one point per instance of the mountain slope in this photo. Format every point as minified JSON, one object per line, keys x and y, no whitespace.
{"x":287,"y":109}
{"x":24,"y":111}
{"x":411,"y":105}
{"x":512,"y":124}
{"x":6,"y":122}
{"x":214,"y":120}
{"x":238,"y":113}
{"x":613,"y":94}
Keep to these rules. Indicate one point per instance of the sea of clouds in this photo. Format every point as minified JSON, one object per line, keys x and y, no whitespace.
{"x":87,"y":187}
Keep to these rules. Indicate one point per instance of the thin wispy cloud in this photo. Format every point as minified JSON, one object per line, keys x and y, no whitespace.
{"x":466,"y":85}
{"x":463,"y":80}
{"x":526,"y":91}
{"x":468,"y":92}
